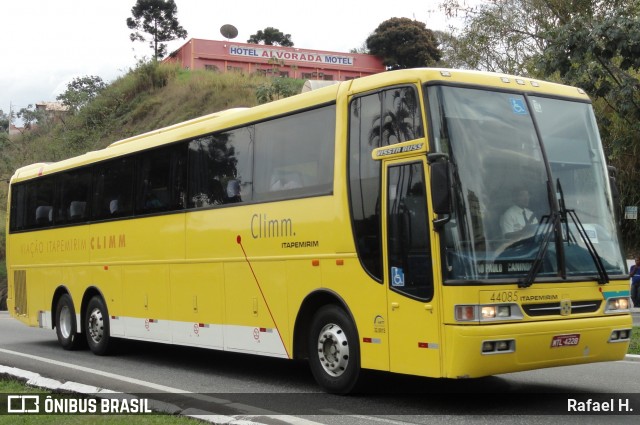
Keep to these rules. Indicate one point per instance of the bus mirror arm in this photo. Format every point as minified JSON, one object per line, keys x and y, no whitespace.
{"x":439,"y":223}
{"x":436,"y":156}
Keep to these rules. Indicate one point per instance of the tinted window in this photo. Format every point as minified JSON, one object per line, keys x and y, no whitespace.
{"x":379,"y":119}
{"x":113,"y":188}
{"x":39,"y":203}
{"x":220,"y":168}
{"x":294,"y":155}
{"x":161,"y":180}
{"x":18,"y":208}
{"x":73,"y":195}
{"x":408,"y":232}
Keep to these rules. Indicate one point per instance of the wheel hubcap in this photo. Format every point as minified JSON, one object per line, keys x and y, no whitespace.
{"x":333,"y":350}
{"x":65,"y":324}
{"x":96,"y":325}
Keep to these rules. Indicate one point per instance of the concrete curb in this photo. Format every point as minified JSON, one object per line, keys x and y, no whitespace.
{"x":632,"y":357}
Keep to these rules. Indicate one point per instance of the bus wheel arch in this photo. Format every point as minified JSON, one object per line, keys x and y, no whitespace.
{"x":325,"y":327}
{"x":64,"y":320}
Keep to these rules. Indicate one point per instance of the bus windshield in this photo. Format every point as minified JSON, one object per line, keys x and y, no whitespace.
{"x":510,"y":182}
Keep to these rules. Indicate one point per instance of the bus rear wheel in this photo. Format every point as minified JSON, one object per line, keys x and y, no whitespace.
{"x":334,"y":352}
{"x":65,"y":322}
{"x":96,"y":326}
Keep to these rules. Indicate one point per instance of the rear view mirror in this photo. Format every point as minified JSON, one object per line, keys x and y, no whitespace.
{"x":441,"y":188}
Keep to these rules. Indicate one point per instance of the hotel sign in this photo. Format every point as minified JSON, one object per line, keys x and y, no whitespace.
{"x":299,"y":56}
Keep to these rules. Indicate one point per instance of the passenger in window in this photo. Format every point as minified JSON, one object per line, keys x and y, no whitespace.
{"x":152,"y":201}
{"x":516,"y":218}
{"x":285,"y":181}
{"x":114,"y":206}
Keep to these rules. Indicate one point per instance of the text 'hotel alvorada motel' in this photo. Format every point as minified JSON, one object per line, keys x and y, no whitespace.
{"x":225,"y":56}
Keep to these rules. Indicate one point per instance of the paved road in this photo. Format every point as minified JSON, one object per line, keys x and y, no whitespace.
{"x":238,"y":385}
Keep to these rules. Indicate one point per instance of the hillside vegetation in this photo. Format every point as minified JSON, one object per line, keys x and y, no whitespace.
{"x":148,"y":97}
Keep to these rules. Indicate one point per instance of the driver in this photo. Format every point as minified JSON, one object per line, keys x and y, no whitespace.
{"x":518,"y":216}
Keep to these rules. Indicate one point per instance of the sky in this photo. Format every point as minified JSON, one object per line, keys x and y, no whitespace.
{"x":45,"y":44}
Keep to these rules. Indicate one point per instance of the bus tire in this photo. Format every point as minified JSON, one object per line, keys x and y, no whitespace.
{"x":96,"y":326}
{"x":334,"y":352}
{"x":65,"y":322}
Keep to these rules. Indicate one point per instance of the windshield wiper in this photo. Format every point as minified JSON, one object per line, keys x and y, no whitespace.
{"x":550,"y":223}
{"x":553,"y":223}
{"x":603,"y":277}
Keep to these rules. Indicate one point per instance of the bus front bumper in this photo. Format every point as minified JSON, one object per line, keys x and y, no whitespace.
{"x":488,"y":349}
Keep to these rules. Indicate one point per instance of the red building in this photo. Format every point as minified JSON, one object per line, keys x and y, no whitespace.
{"x":224,"y":56}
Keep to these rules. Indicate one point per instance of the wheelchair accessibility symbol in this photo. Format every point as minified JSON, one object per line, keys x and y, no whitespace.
{"x":397,"y":276}
{"x":518,"y":106}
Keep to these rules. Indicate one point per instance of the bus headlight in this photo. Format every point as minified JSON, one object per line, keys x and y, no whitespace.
{"x":495,"y":311}
{"x":487,"y":312}
{"x":618,"y":305}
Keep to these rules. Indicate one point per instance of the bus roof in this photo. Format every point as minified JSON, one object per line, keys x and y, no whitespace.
{"x":234,"y":117}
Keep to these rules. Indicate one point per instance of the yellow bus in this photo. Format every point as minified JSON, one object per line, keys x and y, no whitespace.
{"x":432,"y":222}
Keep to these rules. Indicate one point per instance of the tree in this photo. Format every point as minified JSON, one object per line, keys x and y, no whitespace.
{"x":271,"y":37}
{"x":158,"y":18}
{"x":80,"y":91}
{"x":592,"y":44}
{"x":361,"y":49}
{"x":4,"y":122}
{"x":277,"y":88}
{"x":404,"y":43}
{"x":498,"y":35}
{"x":31,"y":116}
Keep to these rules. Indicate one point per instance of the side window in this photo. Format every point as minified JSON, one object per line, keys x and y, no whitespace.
{"x":294,"y":155}
{"x":400,"y":118}
{"x":39,"y":202}
{"x":161,"y":180}
{"x":113,"y":189}
{"x":73,"y":197}
{"x":18,"y":216}
{"x":220,"y":168}
{"x":364,"y":182}
{"x":390,"y":116}
{"x":410,"y":270}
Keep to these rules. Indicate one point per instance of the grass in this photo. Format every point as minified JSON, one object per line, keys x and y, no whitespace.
{"x":13,"y":387}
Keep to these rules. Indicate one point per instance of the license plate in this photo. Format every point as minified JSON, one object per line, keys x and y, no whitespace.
{"x":565,"y":340}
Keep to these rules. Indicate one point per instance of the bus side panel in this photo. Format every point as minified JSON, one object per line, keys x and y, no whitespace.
{"x":197,"y":304}
{"x":251,"y":324}
{"x":145,"y":248}
{"x":144,"y":240}
{"x":303,"y":278}
{"x":366,"y":299}
{"x":45,"y":261}
{"x":146,"y":300}
{"x":41,"y":282}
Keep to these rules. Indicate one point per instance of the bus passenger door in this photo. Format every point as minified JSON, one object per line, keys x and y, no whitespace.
{"x":413,"y":309}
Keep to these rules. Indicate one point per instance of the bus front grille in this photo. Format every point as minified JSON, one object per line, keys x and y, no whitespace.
{"x":556,"y":309}
{"x":20,"y":293}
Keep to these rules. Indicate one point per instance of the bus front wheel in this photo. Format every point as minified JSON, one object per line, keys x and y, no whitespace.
{"x":334,"y":352}
{"x":65,"y":321}
{"x":97,"y":327}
